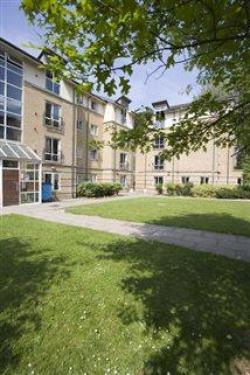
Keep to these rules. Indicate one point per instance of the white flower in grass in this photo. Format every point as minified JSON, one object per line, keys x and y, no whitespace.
{"x":30,"y":365}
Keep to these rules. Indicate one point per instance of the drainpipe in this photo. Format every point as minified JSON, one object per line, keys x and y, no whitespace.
{"x":40,"y":182}
{"x":73,"y":185}
{"x":228,"y":158}
{"x":87,"y":143}
{"x":173,"y":167}
{"x":213,"y":163}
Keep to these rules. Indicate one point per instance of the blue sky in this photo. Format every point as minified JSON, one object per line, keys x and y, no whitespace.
{"x":171,"y":86}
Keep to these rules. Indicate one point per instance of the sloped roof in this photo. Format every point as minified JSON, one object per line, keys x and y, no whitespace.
{"x":16,"y":151}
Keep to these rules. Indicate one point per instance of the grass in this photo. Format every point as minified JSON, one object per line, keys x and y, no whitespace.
{"x":76,"y":301}
{"x":212,"y":215}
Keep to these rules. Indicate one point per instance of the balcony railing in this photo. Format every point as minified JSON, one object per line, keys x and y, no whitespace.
{"x":124,"y":166}
{"x":51,"y":157}
{"x":159,"y":145}
{"x":158,"y":167}
{"x":54,"y":124}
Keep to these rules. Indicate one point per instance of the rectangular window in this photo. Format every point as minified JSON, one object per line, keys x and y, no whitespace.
{"x":93,"y":178}
{"x":51,"y":83}
{"x":158,"y":162}
{"x":53,"y":115}
{"x":93,"y":154}
{"x":158,"y":180}
{"x":52,"y":150}
{"x":123,"y":181}
{"x":11,"y":82}
{"x":185,"y":179}
{"x":94,"y":106}
{"x":79,"y":124}
{"x":123,"y":161}
{"x":159,"y":141}
{"x":54,"y":179}
{"x":239,"y":181}
{"x":93,"y":129}
{"x":204,"y":180}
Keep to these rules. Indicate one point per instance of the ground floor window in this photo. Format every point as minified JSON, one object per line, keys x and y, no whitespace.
{"x":29,"y":181}
{"x":239,"y":181}
{"x":123,"y":181}
{"x":185,"y":179}
{"x":158,"y":180}
{"x":204,"y":180}
{"x":53,"y":179}
{"x":93,"y":178}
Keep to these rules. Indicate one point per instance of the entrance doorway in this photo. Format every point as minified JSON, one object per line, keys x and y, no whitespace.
{"x":11,"y":187}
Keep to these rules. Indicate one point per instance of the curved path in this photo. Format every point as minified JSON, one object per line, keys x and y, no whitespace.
{"x":237,"y":247}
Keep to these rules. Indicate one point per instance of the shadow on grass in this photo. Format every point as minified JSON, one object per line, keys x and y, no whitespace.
{"x":220,"y":223}
{"x":24,"y":280}
{"x":201,"y":300}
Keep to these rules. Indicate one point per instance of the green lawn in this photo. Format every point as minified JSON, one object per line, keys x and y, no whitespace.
{"x":211,"y":215}
{"x":76,"y":301}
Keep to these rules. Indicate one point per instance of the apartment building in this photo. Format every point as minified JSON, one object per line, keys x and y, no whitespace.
{"x":45,"y":131}
{"x":215,"y":166}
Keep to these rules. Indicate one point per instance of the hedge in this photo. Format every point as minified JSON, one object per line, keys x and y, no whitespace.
{"x":209,"y":191}
{"x":95,"y":190}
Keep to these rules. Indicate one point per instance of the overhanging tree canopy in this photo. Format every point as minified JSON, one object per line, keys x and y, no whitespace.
{"x":103,"y":40}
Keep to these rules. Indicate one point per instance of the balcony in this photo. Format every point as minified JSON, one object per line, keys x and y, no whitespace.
{"x":158,"y":167}
{"x":52,"y":158}
{"x":55,"y":125}
{"x":124,"y":166}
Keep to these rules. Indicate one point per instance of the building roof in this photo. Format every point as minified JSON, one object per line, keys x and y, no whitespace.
{"x":160,"y":102}
{"x":16,"y":151}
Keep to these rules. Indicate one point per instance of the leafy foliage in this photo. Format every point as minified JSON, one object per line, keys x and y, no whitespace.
{"x":101,"y":41}
{"x":91,"y":190}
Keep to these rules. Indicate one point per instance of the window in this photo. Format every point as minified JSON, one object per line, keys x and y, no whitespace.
{"x":53,"y":115}
{"x":93,"y":129}
{"x":158,"y":180}
{"x":12,"y":164}
{"x":29,"y":182}
{"x":93,"y":154}
{"x":11,"y":82}
{"x":123,"y":181}
{"x":79,"y":124}
{"x":121,"y":115}
{"x":94,"y":105}
{"x":51,"y":83}
{"x":123,"y":161}
{"x":239,"y":181}
{"x":54,"y":179}
{"x":52,"y":149}
{"x":204,"y":180}
{"x":159,"y":141}
{"x":185,"y":180}
{"x":93,"y":178}
{"x":158,"y":162}
{"x":159,"y":119}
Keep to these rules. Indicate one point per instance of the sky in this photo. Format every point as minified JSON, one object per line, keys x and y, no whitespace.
{"x":171,"y":86}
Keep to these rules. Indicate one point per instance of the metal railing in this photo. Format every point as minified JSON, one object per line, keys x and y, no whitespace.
{"x":51,"y":157}
{"x":54,"y":124}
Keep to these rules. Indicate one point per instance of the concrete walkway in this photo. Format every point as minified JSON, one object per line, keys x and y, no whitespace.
{"x":232,"y":246}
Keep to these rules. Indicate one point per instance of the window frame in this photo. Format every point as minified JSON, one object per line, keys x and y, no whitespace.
{"x":91,"y":132}
{"x":90,"y":154}
{"x":52,"y":174}
{"x":53,"y":82}
{"x":52,"y":153}
{"x":160,"y":164}
{"x":53,"y":119}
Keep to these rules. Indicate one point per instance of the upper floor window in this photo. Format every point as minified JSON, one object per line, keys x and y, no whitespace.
{"x":51,"y":83}
{"x":11,"y":81}
{"x":94,"y":105}
{"x":158,"y":162}
{"x":93,"y":129}
{"x":159,"y":141}
{"x":52,"y":150}
{"x":53,"y":115}
{"x":79,"y":124}
{"x":93,"y":154}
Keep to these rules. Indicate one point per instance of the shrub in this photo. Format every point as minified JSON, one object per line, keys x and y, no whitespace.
{"x":186,"y":189}
{"x":90,"y":189}
{"x":204,"y":191}
{"x":178,"y":189}
{"x":159,"y":188}
{"x":170,"y":187}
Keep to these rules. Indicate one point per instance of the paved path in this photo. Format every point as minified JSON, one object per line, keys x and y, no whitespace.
{"x":232,"y":246}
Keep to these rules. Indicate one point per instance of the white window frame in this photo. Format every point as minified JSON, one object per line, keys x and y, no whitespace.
{"x":156,"y":180}
{"x":51,"y":118}
{"x":52,"y":174}
{"x":159,"y":165}
{"x":125,"y":182}
{"x":204,"y":180}
{"x":52,"y":153}
{"x":53,"y":82}
{"x":91,"y":156}
{"x":93,"y":126}
{"x":185,"y":179}
{"x":93,"y":177}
